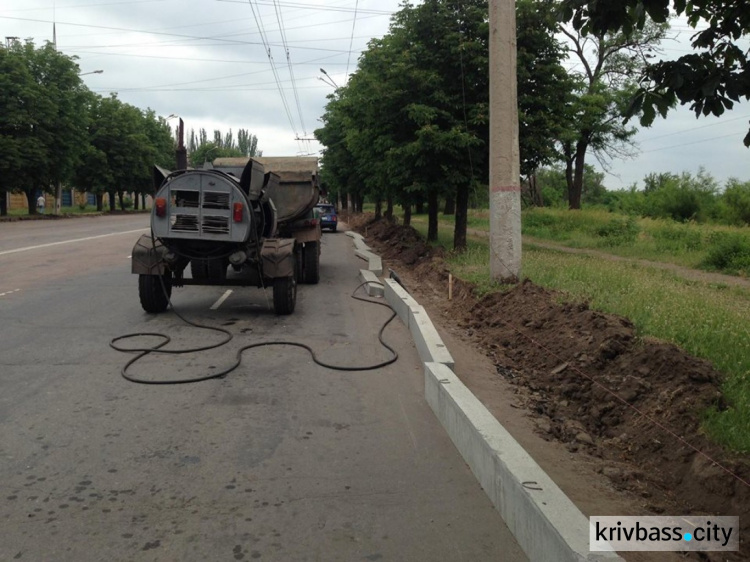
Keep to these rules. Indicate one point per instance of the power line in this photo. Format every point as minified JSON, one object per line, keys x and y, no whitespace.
{"x":181,"y":36}
{"x":280,"y":20}
{"x":314,"y":8}
{"x":264,"y":38}
{"x":694,"y":142}
{"x":351,"y":40}
{"x":683,"y":131}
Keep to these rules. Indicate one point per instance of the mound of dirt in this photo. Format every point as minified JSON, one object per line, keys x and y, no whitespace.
{"x":590,"y":382}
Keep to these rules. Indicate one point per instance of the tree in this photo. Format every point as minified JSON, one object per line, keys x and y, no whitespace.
{"x":610,"y":61}
{"x":43,"y":130}
{"x":545,"y":90}
{"x":222,"y":146}
{"x":710,"y":80}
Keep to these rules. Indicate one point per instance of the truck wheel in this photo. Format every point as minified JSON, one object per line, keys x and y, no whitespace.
{"x":299,"y":265}
{"x":284,"y":295}
{"x":214,"y":270}
{"x":152,"y":294}
{"x":311,"y":263}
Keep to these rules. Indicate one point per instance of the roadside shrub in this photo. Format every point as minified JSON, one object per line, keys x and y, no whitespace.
{"x":684,"y":198}
{"x":618,"y":232}
{"x":676,"y":238}
{"x":735,"y":203}
{"x":729,"y":251}
{"x":629,"y":201}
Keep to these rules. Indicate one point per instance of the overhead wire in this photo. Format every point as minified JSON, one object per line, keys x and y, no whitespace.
{"x":264,"y":38}
{"x":351,"y":39}
{"x":280,"y":21}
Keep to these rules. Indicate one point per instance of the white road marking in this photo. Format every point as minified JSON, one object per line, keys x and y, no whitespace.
{"x":27,"y":248}
{"x":221,"y":300}
{"x":9,"y":292}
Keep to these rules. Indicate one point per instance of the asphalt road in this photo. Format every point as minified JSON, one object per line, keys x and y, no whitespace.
{"x":281,"y":460}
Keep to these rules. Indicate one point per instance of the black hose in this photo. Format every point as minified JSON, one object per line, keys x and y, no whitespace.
{"x":143,"y":351}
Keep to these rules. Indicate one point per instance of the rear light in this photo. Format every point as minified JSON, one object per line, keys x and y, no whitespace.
{"x":161,"y":207}
{"x":238,"y":211}
{"x":334,"y":218}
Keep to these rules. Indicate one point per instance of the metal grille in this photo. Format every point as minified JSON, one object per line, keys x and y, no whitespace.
{"x":213,"y":200}
{"x":185,"y":223}
{"x":215,"y":225}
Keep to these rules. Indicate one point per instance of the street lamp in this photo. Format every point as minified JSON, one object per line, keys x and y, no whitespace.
{"x":329,"y":77}
{"x":92,"y":72}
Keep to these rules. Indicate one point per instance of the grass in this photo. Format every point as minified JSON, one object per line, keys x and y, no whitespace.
{"x":707,"y":320}
{"x":709,"y":247}
{"x":687,"y":244}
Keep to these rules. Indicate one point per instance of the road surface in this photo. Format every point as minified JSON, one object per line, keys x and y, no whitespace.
{"x":280,"y":460}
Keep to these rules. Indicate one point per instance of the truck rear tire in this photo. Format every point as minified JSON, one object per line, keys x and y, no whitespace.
{"x":299,"y":264}
{"x":284,"y":295}
{"x":311,"y":263}
{"x":154,"y":299}
{"x":214,"y":270}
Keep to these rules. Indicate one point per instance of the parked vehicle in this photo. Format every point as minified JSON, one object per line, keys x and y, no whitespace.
{"x":328,"y":216}
{"x":214,"y":218}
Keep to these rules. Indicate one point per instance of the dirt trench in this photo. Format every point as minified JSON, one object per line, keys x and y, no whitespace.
{"x":632,"y":406}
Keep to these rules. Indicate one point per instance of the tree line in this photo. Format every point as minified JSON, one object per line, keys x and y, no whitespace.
{"x":55,"y":133}
{"x":411,"y":126}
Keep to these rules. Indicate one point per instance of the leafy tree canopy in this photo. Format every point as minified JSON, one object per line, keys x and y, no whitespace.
{"x":711,"y":80}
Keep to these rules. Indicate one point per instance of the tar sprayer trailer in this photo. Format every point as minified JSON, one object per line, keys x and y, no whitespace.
{"x":228,"y":216}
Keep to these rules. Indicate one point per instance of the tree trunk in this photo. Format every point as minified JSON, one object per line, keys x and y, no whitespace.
{"x":136,"y":203}
{"x":360,"y":203}
{"x":536,"y":194}
{"x":31,"y":200}
{"x":389,"y":208}
{"x":100,"y":201}
{"x":121,"y":199}
{"x":112,"y":203}
{"x":419,"y":208}
{"x":462,"y":214}
{"x":576,"y":189}
{"x":450,"y":206}
{"x":58,"y":198}
{"x":3,"y":203}
{"x":407,"y":214}
{"x":378,"y":209}
{"x":432,"y":212}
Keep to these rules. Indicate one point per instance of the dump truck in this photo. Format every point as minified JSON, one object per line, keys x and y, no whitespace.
{"x":216,"y":218}
{"x":294,"y":195}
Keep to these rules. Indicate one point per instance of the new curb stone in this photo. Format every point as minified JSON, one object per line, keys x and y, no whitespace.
{"x":373,"y":285}
{"x":546,"y":524}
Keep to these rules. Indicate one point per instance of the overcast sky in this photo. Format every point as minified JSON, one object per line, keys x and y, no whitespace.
{"x":206,"y":61}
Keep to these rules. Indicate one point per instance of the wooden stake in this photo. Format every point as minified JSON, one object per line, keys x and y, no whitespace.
{"x":450,"y":286}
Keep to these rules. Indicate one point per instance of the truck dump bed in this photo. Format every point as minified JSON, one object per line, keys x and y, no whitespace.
{"x":297,"y":191}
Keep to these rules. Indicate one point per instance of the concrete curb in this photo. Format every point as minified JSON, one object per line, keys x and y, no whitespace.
{"x":400,"y":301}
{"x":545,"y":522}
{"x":374,"y":263}
{"x":373,"y":285}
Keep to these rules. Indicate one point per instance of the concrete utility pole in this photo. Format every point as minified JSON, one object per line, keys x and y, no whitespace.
{"x":505,"y":165}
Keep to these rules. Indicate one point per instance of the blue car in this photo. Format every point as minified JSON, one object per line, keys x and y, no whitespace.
{"x":327,"y":215}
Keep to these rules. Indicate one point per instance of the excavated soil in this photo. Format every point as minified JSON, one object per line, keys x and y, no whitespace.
{"x":632,"y":405}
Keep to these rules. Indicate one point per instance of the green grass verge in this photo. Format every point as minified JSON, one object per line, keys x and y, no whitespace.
{"x":709,"y":247}
{"x":707,"y":320}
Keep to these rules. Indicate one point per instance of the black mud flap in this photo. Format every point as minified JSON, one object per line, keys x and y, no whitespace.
{"x":148,"y":257}
{"x":278,"y":257}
